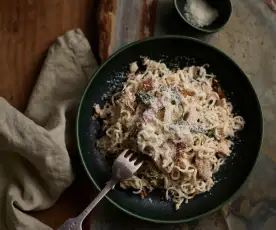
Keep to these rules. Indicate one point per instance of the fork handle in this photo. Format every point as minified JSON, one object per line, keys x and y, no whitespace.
{"x":109,"y":185}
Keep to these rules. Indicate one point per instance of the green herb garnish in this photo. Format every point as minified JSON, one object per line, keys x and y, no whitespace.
{"x":144,"y":97}
{"x":175,"y":97}
{"x":211,"y":133}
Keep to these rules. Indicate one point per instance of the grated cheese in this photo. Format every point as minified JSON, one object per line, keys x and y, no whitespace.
{"x":178,"y":120}
{"x":199,"y":13}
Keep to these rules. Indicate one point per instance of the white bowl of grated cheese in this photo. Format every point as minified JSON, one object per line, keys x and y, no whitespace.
{"x":207,"y":16}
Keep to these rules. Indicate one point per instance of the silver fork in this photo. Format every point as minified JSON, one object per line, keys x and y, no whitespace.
{"x":122,"y":169}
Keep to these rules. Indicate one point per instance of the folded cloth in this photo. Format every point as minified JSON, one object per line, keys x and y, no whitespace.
{"x":34,"y":161}
{"x":272,"y":4}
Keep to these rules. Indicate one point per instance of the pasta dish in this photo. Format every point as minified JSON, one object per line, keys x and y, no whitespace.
{"x":179,"y":120}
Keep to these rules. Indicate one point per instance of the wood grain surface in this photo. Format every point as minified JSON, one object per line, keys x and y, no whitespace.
{"x":123,"y":21}
{"x":27,"y":29}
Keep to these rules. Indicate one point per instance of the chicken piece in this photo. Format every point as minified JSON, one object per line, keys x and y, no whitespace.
{"x":221,"y":102}
{"x":131,"y":183}
{"x":192,"y":115}
{"x":97,"y":109}
{"x":224,"y":148}
{"x":148,"y":115}
{"x":157,"y":106}
{"x":133,"y":67}
{"x":204,"y":168}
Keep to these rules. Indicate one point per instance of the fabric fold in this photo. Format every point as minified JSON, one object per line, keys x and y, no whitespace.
{"x":35,"y":166}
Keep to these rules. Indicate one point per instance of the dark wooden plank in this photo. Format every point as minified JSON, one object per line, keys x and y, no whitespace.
{"x":27,"y":29}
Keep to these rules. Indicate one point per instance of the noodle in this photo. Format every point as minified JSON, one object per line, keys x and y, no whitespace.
{"x":176,"y":118}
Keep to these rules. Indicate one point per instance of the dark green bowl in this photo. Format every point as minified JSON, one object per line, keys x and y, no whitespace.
{"x":224,"y":8}
{"x":180,"y":51}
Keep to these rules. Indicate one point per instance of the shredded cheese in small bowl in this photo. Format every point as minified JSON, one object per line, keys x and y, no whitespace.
{"x":200,"y":13}
{"x":204,"y":15}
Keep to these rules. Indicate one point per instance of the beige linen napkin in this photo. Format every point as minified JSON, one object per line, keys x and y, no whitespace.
{"x":34,"y":162}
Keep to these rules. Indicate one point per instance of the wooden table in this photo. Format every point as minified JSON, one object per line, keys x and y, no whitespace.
{"x":27,"y":29}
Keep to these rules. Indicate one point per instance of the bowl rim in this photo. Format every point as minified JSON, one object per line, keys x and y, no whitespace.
{"x":202,"y":29}
{"x":117,"y":204}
